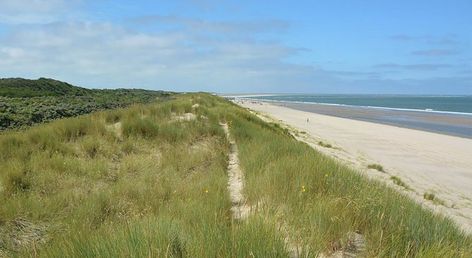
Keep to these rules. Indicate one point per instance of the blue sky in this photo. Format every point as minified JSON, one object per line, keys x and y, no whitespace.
{"x":406,"y":47}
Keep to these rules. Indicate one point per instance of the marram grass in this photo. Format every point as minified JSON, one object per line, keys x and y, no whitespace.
{"x":140,"y":182}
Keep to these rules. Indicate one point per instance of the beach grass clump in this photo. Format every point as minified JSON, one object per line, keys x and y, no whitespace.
{"x":325,"y":145}
{"x":396,"y":180}
{"x":140,"y":127}
{"x":429,"y":196}
{"x":15,"y":179}
{"x":432,"y":197}
{"x":74,"y":128}
{"x":91,"y":147}
{"x":377,"y":167}
{"x":113,"y":116}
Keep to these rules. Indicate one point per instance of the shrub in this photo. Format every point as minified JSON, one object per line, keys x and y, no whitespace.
{"x":27,"y":102}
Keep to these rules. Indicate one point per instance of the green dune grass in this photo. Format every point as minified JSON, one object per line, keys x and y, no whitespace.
{"x":142,"y":182}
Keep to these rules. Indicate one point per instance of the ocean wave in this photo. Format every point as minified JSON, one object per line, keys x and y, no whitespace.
{"x":427,"y":110}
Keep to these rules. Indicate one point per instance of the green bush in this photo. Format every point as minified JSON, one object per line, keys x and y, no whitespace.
{"x":27,"y":102}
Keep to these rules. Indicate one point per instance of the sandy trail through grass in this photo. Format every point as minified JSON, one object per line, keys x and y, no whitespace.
{"x":239,"y":207}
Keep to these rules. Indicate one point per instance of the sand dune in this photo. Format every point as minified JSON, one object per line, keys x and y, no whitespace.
{"x":426,"y":162}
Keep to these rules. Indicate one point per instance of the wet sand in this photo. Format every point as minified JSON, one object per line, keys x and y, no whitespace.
{"x":427,"y":162}
{"x":450,"y":124}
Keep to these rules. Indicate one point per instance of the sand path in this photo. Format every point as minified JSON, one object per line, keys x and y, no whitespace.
{"x":426,"y":162}
{"x":240,"y":210}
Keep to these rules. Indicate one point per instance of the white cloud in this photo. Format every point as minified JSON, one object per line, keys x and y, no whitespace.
{"x":34,"y":11}
{"x":200,"y":25}
{"x":102,"y":54}
{"x":167,"y":52}
{"x":107,"y":55}
{"x":31,"y":5}
{"x":11,"y":52}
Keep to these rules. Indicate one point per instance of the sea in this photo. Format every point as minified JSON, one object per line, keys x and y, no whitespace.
{"x":451,"y":115}
{"x":440,"y":104}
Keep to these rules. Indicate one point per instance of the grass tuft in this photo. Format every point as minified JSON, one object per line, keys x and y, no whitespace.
{"x":16,"y":182}
{"x":325,"y":145}
{"x":432,"y":197}
{"x":140,"y":127}
{"x":399,"y":182}
{"x":91,"y":147}
{"x":377,"y":167}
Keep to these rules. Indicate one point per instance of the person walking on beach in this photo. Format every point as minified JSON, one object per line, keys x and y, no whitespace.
{"x":308,"y":120}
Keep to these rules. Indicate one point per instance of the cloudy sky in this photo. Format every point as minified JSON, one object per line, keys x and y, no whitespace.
{"x":303,"y":46}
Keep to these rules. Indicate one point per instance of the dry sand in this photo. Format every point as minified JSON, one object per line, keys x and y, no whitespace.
{"x":427,"y":162}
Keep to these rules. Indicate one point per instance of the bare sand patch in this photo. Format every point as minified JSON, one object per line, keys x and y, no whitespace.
{"x":184,"y":117}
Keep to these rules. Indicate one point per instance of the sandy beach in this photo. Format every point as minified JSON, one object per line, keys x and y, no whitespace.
{"x":426,"y":162}
{"x":436,"y":122}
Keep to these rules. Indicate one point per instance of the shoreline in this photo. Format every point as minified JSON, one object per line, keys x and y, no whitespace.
{"x":417,"y":158}
{"x":429,"y":111}
{"x":447,"y":123}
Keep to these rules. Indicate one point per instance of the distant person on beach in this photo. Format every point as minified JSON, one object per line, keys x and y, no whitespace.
{"x":308,"y":120}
